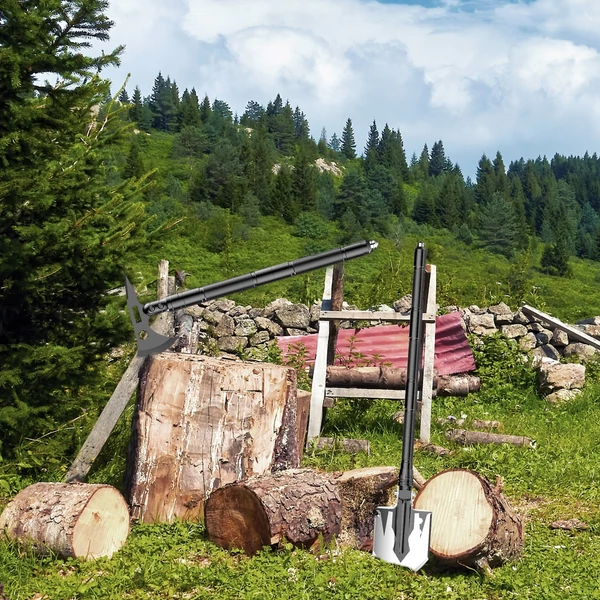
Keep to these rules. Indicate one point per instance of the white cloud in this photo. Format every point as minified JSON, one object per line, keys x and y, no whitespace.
{"x":522,"y":78}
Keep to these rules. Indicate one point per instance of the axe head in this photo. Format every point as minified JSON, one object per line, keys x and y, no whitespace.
{"x":414,"y":540}
{"x":148,"y":341}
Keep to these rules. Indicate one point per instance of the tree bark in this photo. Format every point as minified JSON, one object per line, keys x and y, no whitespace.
{"x":390,"y":378}
{"x":297,"y":506}
{"x":466,"y":437}
{"x":473,"y":524}
{"x":458,"y":385}
{"x":203,"y":422}
{"x":71,"y":519}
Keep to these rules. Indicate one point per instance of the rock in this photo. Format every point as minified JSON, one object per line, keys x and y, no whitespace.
{"x":256,"y":312}
{"x":238,"y":311}
{"x":482,"y":320}
{"x":584,"y":351}
{"x":256,"y":353}
{"x":270,"y":308}
{"x":258,"y":338}
{"x":312,"y":330}
{"x":314,"y":313}
{"x":504,"y":319}
{"x":196,"y":311}
{"x":499,"y":309}
{"x":476,"y":310}
{"x":560,"y":338}
{"x":294,"y":316}
{"x":543,"y":337}
{"x":273,"y":328}
{"x":381,"y":308}
{"x":212,"y":317}
{"x":245,"y":327}
{"x":513,"y":331}
{"x":546,"y":351}
{"x":558,"y":376}
{"x":592,"y":330}
{"x":562,"y":395}
{"x":589,"y":321}
{"x":521,"y":318}
{"x":223,"y":304}
{"x":536,"y":327}
{"x":403,"y":304}
{"x":226,"y":326}
{"x":232,"y":343}
{"x":294,"y":331}
{"x":527,"y":342}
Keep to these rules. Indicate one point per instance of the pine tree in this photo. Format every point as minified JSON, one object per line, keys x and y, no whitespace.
{"x":205,"y":110}
{"x":189,"y":110}
{"x":135,"y":112}
{"x":348,"y":144}
{"x":437,"y":160}
{"x":497,"y":226}
{"x":281,"y":201}
{"x":485,"y":186}
{"x":335,"y":144}
{"x":322,"y":145}
{"x":371,"y":148}
{"x":423,"y":166}
{"x":304,"y":185}
{"x":123,"y":96}
{"x":65,"y":233}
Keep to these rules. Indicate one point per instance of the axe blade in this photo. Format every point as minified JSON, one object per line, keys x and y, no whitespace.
{"x":148,"y":341}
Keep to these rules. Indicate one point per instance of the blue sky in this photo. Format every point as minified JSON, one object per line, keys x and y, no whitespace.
{"x":522,"y":78}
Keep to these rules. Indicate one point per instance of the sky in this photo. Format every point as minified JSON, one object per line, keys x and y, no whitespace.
{"x":519,"y":77}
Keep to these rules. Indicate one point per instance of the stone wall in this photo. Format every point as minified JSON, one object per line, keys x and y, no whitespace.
{"x":223,"y":326}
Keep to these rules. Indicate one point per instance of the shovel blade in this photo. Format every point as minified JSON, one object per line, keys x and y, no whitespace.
{"x":384,"y":538}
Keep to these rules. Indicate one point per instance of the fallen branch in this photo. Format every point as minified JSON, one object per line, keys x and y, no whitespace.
{"x":466,"y":437}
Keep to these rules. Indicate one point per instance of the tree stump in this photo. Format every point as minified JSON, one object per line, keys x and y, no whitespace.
{"x":203,"y":422}
{"x":71,"y":519}
{"x":472,"y":523}
{"x":297,"y":505}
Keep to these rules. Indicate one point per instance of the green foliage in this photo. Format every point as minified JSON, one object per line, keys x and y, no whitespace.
{"x":501,"y":367}
{"x":66,"y":222}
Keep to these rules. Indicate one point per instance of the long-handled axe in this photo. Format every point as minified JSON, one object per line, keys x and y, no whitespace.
{"x":150,"y":342}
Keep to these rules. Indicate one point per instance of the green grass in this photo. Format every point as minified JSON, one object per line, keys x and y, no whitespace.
{"x":558,"y":479}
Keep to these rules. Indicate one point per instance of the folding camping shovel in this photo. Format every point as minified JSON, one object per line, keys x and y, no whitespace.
{"x":402,"y":534}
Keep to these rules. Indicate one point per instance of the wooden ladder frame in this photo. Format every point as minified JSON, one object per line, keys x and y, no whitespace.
{"x":331,"y":315}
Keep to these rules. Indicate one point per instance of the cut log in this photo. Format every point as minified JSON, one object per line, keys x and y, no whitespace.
{"x":466,"y":438}
{"x":70,"y":519}
{"x":302,"y":414}
{"x":297,"y":506}
{"x":362,"y":491}
{"x":390,"y":378}
{"x":351,"y":446}
{"x":203,"y":422}
{"x":473,"y":524}
{"x":457,"y":385}
{"x":484,"y":424}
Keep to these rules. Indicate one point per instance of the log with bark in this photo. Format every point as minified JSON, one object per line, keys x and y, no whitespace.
{"x":203,"y":422}
{"x":466,"y":438}
{"x":393,"y":378}
{"x":70,"y":519}
{"x":472,"y":523}
{"x":299,"y":505}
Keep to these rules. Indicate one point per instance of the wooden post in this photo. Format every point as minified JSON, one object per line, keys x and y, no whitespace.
{"x":428,"y":356}
{"x":164,"y":323}
{"x":337,"y":298}
{"x":320,"y":374}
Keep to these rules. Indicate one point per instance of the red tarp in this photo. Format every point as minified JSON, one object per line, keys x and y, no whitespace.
{"x":389,"y":344}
